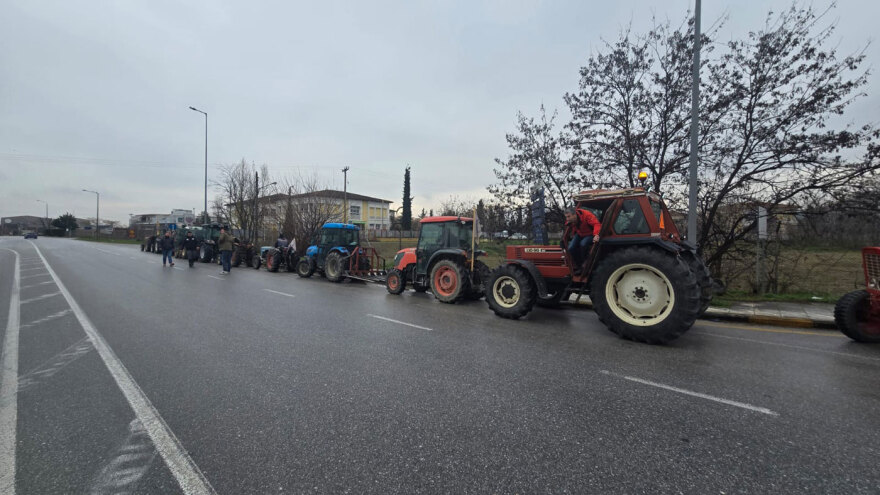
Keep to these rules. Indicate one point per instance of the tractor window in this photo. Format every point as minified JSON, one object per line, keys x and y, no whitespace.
{"x":631,"y":220}
{"x":431,"y":237}
{"x":459,"y":235}
{"x":657,"y":208}
{"x":339,"y":237}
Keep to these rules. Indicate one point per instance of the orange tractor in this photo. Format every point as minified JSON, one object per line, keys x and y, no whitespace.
{"x":857,"y":314}
{"x":645,"y":282}
{"x":444,"y":261}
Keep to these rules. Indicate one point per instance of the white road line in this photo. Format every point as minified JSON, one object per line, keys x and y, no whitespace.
{"x":800,"y":347}
{"x":181,"y":465}
{"x":37,"y":275}
{"x":400,"y":322}
{"x":9,"y":386}
{"x":130,"y":462}
{"x":32,"y":269}
{"x":47,"y":282}
{"x":694,"y":394}
{"x":279,"y":293}
{"x":56,"y":363}
{"x":218,"y":278}
{"x":51,"y":317}
{"x":40,"y":298}
{"x":108,"y":252}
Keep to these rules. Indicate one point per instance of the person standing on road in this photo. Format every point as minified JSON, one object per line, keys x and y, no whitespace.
{"x":583,"y":227}
{"x":224,"y":244}
{"x":191,"y":248}
{"x":166,"y":244}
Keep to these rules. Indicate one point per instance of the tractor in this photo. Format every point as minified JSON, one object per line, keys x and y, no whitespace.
{"x":646,"y":283}
{"x":274,"y":259}
{"x":443,"y":261}
{"x":337,"y":254}
{"x":857,"y":314}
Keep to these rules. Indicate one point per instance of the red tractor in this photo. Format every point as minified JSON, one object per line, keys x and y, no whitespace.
{"x":443,"y":261}
{"x":646,"y":283}
{"x":857,"y":314}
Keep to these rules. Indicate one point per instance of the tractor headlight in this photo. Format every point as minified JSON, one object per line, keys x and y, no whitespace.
{"x":397,"y":258}
{"x":872,"y":284}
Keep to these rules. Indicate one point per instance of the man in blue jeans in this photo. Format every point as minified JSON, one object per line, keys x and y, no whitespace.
{"x":224,"y":244}
{"x":167,"y":246}
{"x":583,"y":227}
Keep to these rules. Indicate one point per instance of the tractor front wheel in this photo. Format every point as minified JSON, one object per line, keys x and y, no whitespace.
{"x":333,"y":268}
{"x":273,"y":260}
{"x":290,"y":261}
{"x":645,"y":295}
{"x":447,"y":281}
{"x":206,"y":254}
{"x":305,"y":268}
{"x":395,"y":282}
{"x":852,"y":314}
{"x":256,"y":262}
{"x":511,"y":292}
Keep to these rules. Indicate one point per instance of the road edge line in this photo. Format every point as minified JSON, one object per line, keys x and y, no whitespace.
{"x":182,"y":467}
{"x":9,"y":384}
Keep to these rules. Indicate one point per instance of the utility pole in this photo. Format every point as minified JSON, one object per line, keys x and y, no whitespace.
{"x":695,"y":130}
{"x":205,"y":218}
{"x":760,"y":272}
{"x":345,"y":194}
{"x":47,"y":214}
{"x":97,"y":211}
{"x":254,"y":214}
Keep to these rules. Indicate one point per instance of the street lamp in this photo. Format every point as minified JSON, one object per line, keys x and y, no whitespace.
{"x":47,"y":214}
{"x":206,"y":161}
{"x":97,"y":210}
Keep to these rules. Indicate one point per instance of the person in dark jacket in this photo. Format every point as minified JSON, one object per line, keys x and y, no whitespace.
{"x":224,"y":243}
{"x":583,"y":227}
{"x":167,"y":246}
{"x":191,"y":247}
{"x":281,"y":242}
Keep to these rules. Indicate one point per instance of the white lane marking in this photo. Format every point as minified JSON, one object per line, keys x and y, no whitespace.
{"x":108,"y":252}
{"x":40,"y":298}
{"x":51,"y":317}
{"x":55,"y":364}
{"x":177,"y":268}
{"x":279,"y":293}
{"x":37,"y":275}
{"x":32,"y":269}
{"x":130,"y":462}
{"x":734,"y":403}
{"x":47,"y":282}
{"x":9,"y":386}
{"x":218,"y":278}
{"x":181,"y":465}
{"x":800,"y":347}
{"x":400,"y":322}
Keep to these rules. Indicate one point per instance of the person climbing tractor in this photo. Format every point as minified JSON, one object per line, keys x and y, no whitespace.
{"x":583,"y":228}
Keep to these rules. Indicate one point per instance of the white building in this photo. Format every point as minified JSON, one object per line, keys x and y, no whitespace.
{"x":364,"y":211}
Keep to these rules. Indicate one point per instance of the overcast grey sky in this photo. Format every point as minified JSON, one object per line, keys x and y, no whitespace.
{"x":94,"y":94}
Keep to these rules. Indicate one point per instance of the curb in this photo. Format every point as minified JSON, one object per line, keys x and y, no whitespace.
{"x":778,"y":321}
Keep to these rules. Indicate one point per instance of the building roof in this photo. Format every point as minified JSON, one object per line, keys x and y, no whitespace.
{"x":326,"y":193}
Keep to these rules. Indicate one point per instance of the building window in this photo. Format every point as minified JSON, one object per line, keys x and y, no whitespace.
{"x":354,"y":211}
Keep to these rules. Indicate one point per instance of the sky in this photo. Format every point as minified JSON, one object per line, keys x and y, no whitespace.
{"x":95,"y":94}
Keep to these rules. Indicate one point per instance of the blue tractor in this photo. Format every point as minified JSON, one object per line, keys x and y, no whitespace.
{"x":337,"y":254}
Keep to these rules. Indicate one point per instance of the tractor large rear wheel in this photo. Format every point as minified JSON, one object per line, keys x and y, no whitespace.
{"x":511,"y":292}
{"x":273,"y":260}
{"x":395,"y":282}
{"x":256,"y":262}
{"x":333,"y":267}
{"x":704,"y":280}
{"x":645,"y":295}
{"x":853,"y":317}
{"x":448,"y":281}
{"x":290,"y":261}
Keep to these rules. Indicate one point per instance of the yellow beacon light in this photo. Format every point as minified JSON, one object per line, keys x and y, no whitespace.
{"x":643,"y":176}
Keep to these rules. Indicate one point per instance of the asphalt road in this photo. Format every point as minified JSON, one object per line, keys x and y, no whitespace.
{"x":123,"y":376}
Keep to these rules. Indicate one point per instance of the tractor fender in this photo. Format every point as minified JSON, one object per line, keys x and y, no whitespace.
{"x":534,"y":272}
{"x":614,"y":242}
{"x":312,"y":251}
{"x":445,"y":253}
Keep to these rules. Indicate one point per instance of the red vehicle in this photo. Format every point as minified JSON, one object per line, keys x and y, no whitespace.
{"x":646,"y":283}
{"x":443,"y":261}
{"x":857,"y":314}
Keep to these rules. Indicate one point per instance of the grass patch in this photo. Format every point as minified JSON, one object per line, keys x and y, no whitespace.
{"x":108,"y":241}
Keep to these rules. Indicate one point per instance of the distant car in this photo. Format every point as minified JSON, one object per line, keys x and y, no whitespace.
{"x":519,"y":237}
{"x":30,"y":235}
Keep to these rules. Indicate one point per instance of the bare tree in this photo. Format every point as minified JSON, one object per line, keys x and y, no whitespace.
{"x":239,"y":201}
{"x":303,"y":211}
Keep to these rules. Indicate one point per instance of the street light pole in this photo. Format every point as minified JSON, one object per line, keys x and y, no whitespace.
{"x":97,"y":211}
{"x":345,"y":194}
{"x":695,"y":131}
{"x":47,"y":214}
{"x":205,"y":217}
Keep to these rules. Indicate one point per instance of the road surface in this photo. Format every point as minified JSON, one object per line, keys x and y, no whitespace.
{"x":120,"y":375}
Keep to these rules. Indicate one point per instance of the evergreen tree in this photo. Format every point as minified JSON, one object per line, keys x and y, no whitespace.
{"x":406,"y":215}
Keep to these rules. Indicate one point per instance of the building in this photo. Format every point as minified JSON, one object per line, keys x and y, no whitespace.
{"x":177,"y":217}
{"x":367,"y":212}
{"x":22,"y":224}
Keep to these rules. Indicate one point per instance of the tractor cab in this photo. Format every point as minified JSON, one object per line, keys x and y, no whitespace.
{"x":336,"y":253}
{"x":444,"y":260}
